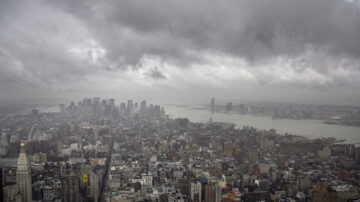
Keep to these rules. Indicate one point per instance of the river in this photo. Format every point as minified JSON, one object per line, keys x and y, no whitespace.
{"x":308,"y":128}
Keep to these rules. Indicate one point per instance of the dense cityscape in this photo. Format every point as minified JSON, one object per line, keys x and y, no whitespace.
{"x":180,"y":101}
{"x":98,"y":150}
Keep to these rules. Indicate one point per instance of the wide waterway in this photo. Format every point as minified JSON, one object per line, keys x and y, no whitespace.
{"x":308,"y":128}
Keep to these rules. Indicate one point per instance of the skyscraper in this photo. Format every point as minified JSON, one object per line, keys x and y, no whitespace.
{"x":123,"y":106}
{"x":130,"y":105}
{"x":112,"y":103}
{"x":143,"y":105}
{"x":229,"y":106}
{"x":23,"y":176}
{"x":212,"y":104}
{"x":242,"y":108}
{"x":62,"y":108}
{"x":96,"y":100}
{"x":70,"y":188}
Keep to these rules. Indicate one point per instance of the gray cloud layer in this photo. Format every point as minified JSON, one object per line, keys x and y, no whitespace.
{"x":59,"y":46}
{"x":251,"y":29}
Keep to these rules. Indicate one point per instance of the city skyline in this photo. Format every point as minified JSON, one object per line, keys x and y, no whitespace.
{"x":103,"y":150}
{"x":180,"y":100}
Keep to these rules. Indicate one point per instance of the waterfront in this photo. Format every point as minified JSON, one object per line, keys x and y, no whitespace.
{"x":308,"y":128}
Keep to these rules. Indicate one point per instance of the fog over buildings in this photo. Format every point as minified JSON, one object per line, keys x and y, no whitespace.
{"x":181,"y":51}
{"x":179,"y":100}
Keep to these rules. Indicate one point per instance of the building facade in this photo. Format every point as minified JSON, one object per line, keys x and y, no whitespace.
{"x":23,"y":176}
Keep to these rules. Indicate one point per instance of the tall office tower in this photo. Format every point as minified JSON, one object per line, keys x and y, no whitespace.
{"x":95,"y":186}
{"x":62,"y":108}
{"x":157,"y":110}
{"x":87,"y":102}
{"x":229,"y":106}
{"x":123,"y":105}
{"x":130,"y":105}
{"x":72,"y":107}
{"x":108,"y":110}
{"x":136,"y":105}
{"x":23,"y":176}
{"x":112,"y":103}
{"x":70,"y":188}
{"x":212,"y":104}
{"x":242,"y":108}
{"x":35,"y":112}
{"x":96,"y":100}
{"x":143,"y":105}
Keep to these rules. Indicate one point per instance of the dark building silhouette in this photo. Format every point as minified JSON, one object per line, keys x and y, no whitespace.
{"x":70,"y":188}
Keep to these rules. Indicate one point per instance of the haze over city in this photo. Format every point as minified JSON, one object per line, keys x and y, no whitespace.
{"x":180,"y":101}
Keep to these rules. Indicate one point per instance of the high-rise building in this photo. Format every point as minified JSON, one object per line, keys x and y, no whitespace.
{"x":23,"y":176}
{"x":143,"y":105}
{"x":70,"y":188}
{"x":35,"y":112}
{"x":108,"y":109}
{"x":157,"y":110}
{"x":242,"y":108}
{"x":62,"y":108}
{"x":94,"y":186}
{"x":87,"y":102}
{"x":123,"y":106}
{"x":212,"y":104}
{"x":229,"y":106}
{"x":112,"y":103}
{"x":96,"y":100}
{"x":130,"y":105}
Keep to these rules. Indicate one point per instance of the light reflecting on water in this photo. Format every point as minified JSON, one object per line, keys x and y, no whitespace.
{"x":307,"y":128}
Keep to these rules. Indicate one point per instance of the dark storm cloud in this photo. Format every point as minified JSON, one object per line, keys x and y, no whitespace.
{"x":251,"y":29}
{"x":60,"y":44}
{"x":155,"y":74}
{"x":34,"y":43}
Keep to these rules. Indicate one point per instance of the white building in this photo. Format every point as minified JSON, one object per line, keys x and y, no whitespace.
{"x":23,"y":176}
{"x":147,"y":179}
{"x":195,"y":191}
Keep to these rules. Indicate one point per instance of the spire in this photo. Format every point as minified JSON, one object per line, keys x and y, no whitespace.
{"x":23,"y":158}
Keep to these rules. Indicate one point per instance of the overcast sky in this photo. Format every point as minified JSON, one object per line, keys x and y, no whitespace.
{"x":181,"y":51}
